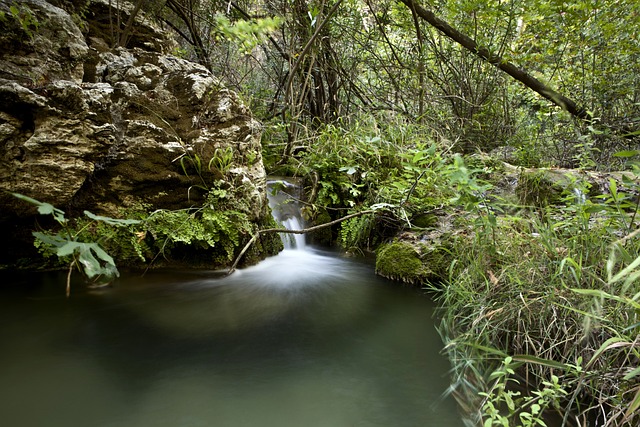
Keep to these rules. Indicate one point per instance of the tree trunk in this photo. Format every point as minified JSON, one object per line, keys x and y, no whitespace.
{"x":484,"y":53}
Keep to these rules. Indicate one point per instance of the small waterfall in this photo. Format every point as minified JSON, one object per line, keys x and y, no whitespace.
{"x":284,"y":202}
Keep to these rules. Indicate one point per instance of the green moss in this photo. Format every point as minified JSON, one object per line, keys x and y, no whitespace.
{"x":413,"y":263}
{"x":538,"y":189}
{"x":424,"y":220}
{"x":438,"y":260}
{"x":400,"y":261}
{"x":322,"y":236}
{"x":268,"y":244}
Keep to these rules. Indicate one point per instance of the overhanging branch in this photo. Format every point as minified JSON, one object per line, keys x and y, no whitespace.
{"x":499,"y":62}
{"x":284,"y":230}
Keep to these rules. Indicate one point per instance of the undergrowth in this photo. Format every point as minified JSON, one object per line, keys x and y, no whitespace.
{"x":209,"y":234}
{"x":539,"y":311}
{"x":540,"y":315}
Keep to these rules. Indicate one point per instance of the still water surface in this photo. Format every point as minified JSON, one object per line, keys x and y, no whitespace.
{"x":304,"y":339}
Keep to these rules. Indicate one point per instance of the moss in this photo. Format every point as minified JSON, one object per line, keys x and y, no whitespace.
{"x":413,"y":262}
{"x":538,"y":189}
{"x":400,"y":261}
{"x":438,"y":260}
{"x":425,"y":220}
{"x":323,"y":236}
{"x":268,"y":244}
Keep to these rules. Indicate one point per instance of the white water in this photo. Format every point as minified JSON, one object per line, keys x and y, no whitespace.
{"x":286,"y":211}
{"x":293,"y":240}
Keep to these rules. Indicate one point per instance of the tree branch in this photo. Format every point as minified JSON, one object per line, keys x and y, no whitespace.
{"x":496,"y":60}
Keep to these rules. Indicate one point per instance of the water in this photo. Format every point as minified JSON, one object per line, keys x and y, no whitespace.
{"x":285,"y":207}
{"x":306,"y":338}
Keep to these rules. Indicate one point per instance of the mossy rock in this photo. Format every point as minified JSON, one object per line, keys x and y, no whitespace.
{"x":425,"y":220}
{"x":322,"y":236}
{"x":438,"y":260}
{"x":401,"y":261}
{"x":267,"y":245}
{"x":539,"y":189}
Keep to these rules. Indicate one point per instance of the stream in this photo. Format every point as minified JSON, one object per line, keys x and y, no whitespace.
{"x":307,"y":338}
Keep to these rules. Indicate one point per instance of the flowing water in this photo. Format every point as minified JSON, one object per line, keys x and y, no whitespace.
{"x":304,"y":339}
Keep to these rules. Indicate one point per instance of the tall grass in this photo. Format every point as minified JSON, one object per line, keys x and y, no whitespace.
{"x":543,"y":317}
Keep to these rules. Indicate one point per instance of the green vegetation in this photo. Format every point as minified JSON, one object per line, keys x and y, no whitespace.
{"x":400,"y":261}
{"x":22,"y":15}
{"x":86,"y":256}
{"x":543,"y":294}
{"x":410,"y":112}
{"x":209,"y":235}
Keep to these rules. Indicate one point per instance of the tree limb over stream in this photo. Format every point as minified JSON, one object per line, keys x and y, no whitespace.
{"x":284,"y":230}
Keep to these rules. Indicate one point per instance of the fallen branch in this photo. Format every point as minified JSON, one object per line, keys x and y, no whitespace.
{"x":284,"y":230}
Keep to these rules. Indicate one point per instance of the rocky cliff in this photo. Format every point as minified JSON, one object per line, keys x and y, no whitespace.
{"x":86,"y":125}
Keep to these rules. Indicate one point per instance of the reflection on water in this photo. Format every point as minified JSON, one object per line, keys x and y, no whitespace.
{"x":302,"y":339}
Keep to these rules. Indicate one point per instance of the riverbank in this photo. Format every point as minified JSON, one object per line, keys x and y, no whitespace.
{"x":538,"y":303}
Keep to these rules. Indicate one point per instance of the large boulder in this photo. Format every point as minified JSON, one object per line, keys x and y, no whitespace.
{"x":85,"y":125}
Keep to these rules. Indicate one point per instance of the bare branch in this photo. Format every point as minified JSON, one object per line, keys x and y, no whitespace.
{"x":284,"y":230}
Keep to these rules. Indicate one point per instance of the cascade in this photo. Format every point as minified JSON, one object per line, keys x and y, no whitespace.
{"x":284,"y":201}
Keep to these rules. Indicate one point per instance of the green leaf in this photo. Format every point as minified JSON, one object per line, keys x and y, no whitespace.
{"x":111,"y":221}
{"x":90,"y":265}
{"x":626,"y":271}
{"x":69,"y":248}
{"x":48,"y":239}
{"x":102,"y":254}
{"x":608,"y":344}
{"x":184,"y":166}
{"x":637,"y":132}
{"x":628,"y":153}
{"x":602,"y":294}
{"x":634,"y":373}
{"x":44,"y":208}
{"x":594,"y":208}
{"x":635,"y":404}
{"x":613,"y":187}
{"x":540,"y":361}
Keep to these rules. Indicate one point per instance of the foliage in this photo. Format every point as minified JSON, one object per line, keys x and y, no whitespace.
{"x":557,"y":293}
{"x":87,"y":256}
{"x":506,"y":407}
{"x":94,"y":243}
{"x":216,"y":229}
{"x":363,"y":164}
{"x":247,"y":34}
{"x":206,"y":228}
{"x":23,"y":16}
{"x":369,"y":105}
{"x":400,"y":261}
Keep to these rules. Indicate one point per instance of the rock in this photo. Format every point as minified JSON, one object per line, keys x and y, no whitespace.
{"x":412,"y":261}
{"x":41,"y":45}
{"x":130,"y":127}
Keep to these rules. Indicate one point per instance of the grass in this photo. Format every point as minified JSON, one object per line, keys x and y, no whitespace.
{"x":556,"y":295}
{"x":539,"y":312}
